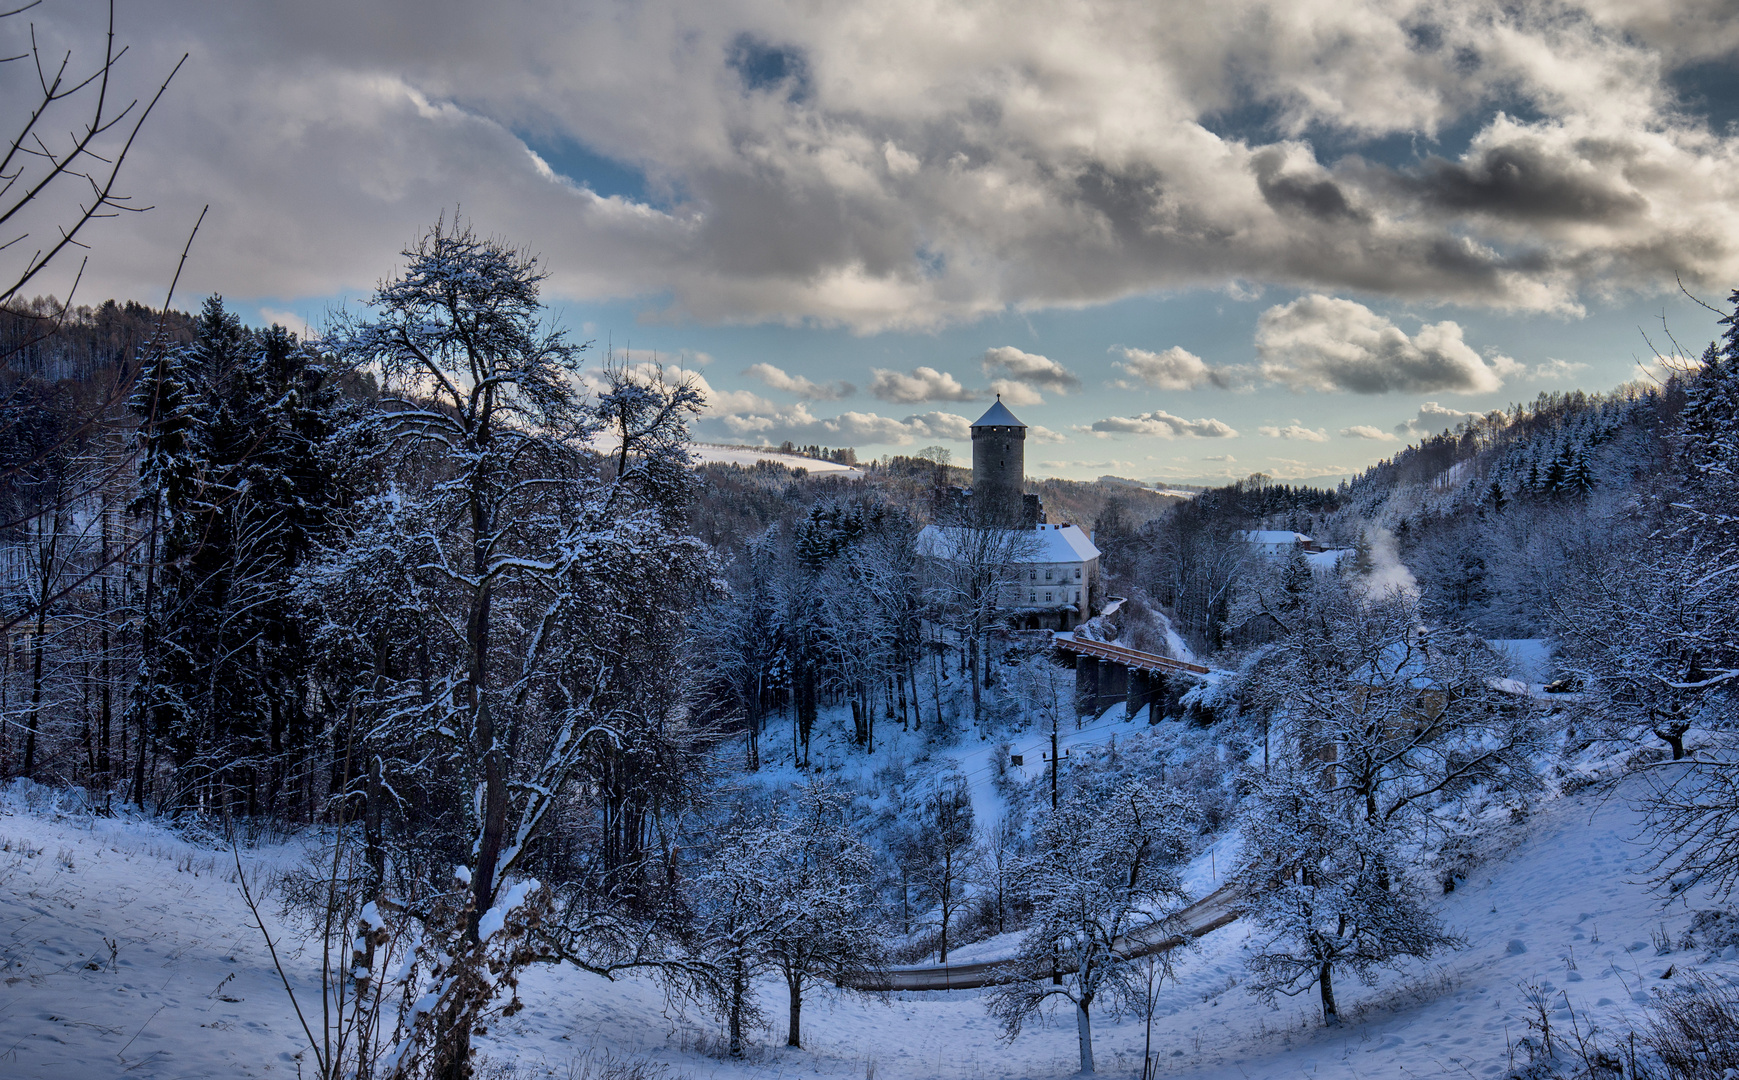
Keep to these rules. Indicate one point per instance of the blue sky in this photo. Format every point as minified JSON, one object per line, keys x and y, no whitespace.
{"x":1186,"y":243}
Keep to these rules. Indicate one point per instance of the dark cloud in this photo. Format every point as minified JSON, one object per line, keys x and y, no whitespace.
{"x":1318,"y":197}
{"x":1524,"y":181}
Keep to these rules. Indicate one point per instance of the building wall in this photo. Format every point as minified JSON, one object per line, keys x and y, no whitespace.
{"x":999,"y":475}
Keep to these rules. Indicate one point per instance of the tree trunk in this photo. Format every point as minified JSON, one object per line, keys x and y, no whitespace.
{"x":1330,"y":1015}
{"x":977,"y":691}
{"x":494,"y":764}
{"x":104,"y":698}
{"x":739,"y":991}
{"x":794,"y":981}
{"x":35,"y":686}
{"x":1084,"y":1035}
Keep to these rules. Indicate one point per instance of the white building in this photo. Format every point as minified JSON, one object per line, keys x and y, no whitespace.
{"x":1275,"y":543}
{"x":1049,"y":575}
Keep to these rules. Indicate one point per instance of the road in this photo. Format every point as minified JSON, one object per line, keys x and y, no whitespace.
{"x":1211,"y":912}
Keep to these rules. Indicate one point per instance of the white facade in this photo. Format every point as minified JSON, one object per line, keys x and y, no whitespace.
{"x":1050,"y":579}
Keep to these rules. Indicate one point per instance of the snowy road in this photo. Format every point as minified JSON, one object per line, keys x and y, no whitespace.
{"x":1204,"y":916}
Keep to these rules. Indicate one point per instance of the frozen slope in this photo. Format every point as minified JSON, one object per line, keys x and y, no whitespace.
{"x":191,"y":992}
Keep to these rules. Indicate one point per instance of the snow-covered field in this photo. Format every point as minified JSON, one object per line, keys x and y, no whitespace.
{"x":748,"y":455}
{"x":128,"y":951}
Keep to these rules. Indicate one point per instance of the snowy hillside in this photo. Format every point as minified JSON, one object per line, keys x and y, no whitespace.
{"x":748,"y":455}
{"x":128,"y":951}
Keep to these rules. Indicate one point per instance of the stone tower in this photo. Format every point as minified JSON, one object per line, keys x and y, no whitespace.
{"x":998,"y":468}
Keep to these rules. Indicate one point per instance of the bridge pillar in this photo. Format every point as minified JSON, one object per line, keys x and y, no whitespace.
{"x":1138,"y":693}
{"x":1113,"y":685}
{"x":1086,"y":685}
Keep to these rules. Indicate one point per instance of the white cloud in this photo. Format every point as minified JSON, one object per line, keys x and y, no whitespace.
{"x":807,"y":389}
{"x":1174,"y":369}
{"x":289,"y":320}
{"x":797,"y":423}
{"x":1557,"y":369}
{"x":1040,"y":434}
{"x":1016,"y":393}
{"x":1366,"y":431}
{"x":1431,"y":419}
{"x":1162,"y":424}
{"x":917,"y":386}
{"x":718,"y":402}
{"x":1323,"y":343}
{"x":1294,"y":430}
{"x":1293,"y":469}
{"x":1005,"y":360}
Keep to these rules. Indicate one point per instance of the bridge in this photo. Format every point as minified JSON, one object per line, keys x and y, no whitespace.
{"x":1211,"y":912}
{"x":1106,"y":674}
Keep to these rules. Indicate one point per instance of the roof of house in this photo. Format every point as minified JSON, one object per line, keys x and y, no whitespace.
{"x":997,"y":416}
{"x":1055,"y":543}
{"x":1272,"y":536}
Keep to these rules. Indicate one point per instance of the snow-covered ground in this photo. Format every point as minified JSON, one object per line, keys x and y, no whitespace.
{"x":748,"y":455}
{"x":187,"y":990}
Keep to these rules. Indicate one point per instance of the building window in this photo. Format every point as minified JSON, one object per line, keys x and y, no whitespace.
{"x":1077,"y":573}
{"x":1077,"y":596}
{"x":1047,"y":598}
{"x":1032,"y":575}
{"x":1047,"y":575}
{"x":1032,"y":598}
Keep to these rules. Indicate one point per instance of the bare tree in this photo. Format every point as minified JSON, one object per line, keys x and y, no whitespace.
{"x":971,"y":579}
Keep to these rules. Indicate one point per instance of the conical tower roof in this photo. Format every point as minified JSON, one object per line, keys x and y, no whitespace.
{"x":998,"y":416}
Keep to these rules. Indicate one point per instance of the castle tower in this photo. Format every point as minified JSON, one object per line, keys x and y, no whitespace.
{"x":998,"y":468}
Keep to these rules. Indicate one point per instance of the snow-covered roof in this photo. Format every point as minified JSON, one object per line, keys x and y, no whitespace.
{"x":1272,"y":536}
{"x":1064,"y":543}
{"x":997,"y":416}
{"x":1055,"y":543}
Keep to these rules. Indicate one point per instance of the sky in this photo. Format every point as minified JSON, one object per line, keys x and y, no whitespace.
{"x":1185,"y":242}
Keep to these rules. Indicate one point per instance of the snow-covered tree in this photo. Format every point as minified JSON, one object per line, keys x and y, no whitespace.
{"x":969,"y":576}
{"x":1103,"y":877}
{"x":1663,"y":637}
{"x":830,"y":936}
{"x":790,"y":896}
{"x":1401,"y":715}
{"x":526,"y":596}
{"x":238,"y":478}
{"x":1326,"y":889}
{"x":944,"y":842}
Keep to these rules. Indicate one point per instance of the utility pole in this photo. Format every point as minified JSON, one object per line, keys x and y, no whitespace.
{"x":1053,"y":759}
